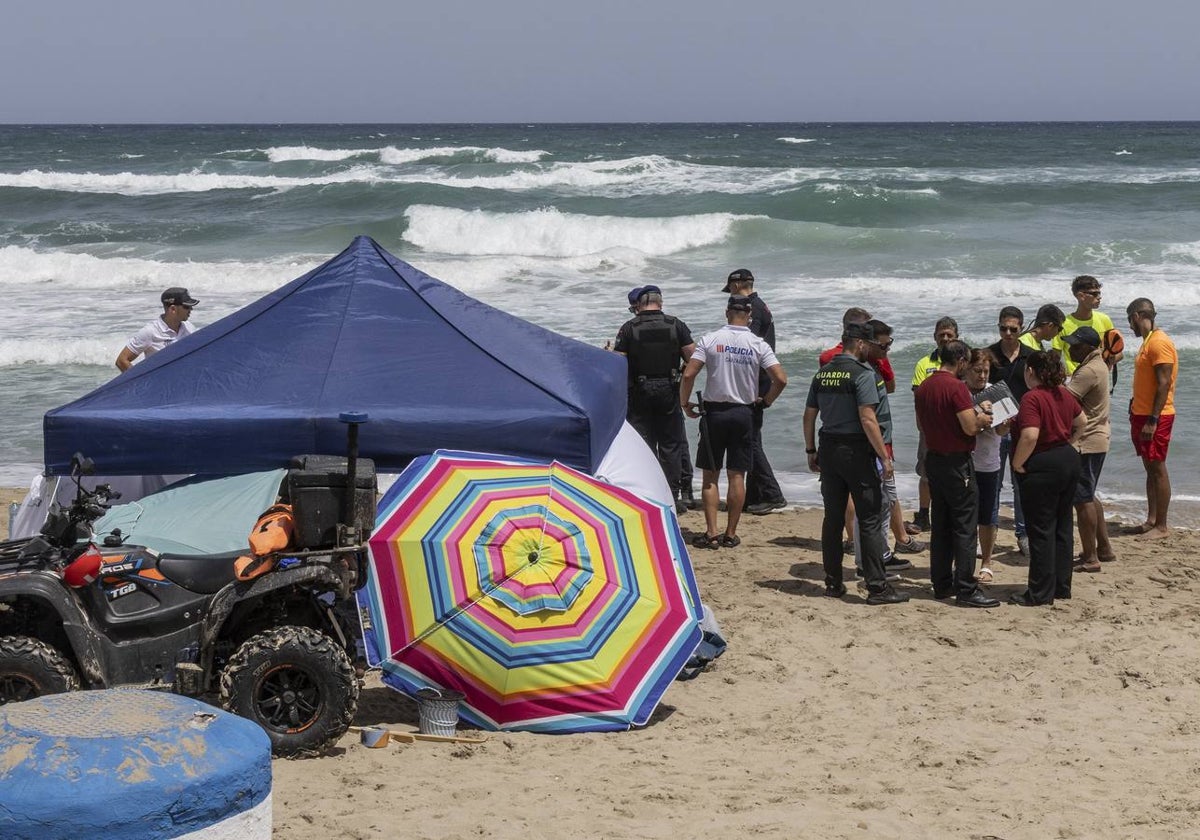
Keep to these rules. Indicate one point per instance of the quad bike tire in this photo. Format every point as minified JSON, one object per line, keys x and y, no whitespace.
{"x":29,"y":669}
{"x":297,"y":684}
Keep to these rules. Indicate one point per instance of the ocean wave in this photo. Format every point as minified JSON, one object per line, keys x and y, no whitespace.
{"x":872,"y":191}
{"x":394,"y":156}
{"x":21,"y":268}
{"x":550,"y":233}
{"x":796,"y":139}
{"x":56,"y":352}
{"x":129,"y":183}
{"x":128,"y":156}
{"x":476,"y":154}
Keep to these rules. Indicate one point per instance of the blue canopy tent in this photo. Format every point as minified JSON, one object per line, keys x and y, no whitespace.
{"x":434,"y":369}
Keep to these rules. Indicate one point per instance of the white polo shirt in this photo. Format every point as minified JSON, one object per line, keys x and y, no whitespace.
{"x":732,"y":357}
{"x":155,"y":336}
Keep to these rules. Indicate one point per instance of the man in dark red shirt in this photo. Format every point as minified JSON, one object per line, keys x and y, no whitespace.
{"x":950,"y":420}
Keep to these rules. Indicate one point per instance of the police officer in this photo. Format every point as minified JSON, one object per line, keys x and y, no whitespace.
{"x":852,"y":460}
{"x":733,"y":357}
{"x":762,"y":490}
{"x":657,"y":346}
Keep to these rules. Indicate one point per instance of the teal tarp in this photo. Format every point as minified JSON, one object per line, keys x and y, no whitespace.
{"x":199,"y":515}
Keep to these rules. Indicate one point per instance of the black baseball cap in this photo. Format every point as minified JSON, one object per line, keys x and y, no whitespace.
{"x":1047,"y":314}
{"x":739,"y":303}
{"x":178,"y":296}
{"x":1083,"y":335}
{"x":741,"y":275}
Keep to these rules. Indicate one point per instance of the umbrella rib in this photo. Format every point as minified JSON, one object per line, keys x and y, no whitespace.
{"x":457,"y":612}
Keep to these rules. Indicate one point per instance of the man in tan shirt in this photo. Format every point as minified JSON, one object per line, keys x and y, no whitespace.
{"x":1089,"y":384}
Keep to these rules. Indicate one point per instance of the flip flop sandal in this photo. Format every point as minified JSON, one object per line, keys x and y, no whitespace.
{"x":730,"y":542}
{"x":705,"y":541}
{"x":1087,"y":567}
{"x":986,"y":575}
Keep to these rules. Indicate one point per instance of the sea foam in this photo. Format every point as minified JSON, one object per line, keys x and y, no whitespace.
{"x":23,"y":268}
{"x":129,"y":183}
{"x":550,"y":233}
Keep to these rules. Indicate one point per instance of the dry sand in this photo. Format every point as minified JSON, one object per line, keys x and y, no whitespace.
{"x":832,"y":719}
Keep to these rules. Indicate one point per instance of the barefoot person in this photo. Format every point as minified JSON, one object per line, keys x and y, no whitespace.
{"x":1089,"y":384}
{"x":733,"y":357}
{"x":1152,"y":411}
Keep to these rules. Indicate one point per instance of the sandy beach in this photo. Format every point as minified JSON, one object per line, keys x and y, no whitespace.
{"x":833,"y":719}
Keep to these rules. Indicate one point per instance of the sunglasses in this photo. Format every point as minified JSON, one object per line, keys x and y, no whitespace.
{"x":883,"y":345}
{"x":1010,"y":329}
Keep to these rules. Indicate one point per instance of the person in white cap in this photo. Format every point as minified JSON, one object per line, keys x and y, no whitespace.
{"x":167,"y":328}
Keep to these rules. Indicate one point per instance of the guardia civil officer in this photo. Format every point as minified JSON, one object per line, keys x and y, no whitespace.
{"x":657,"y":346}
{"x":762,"y":490}
{"x":852,"y":459}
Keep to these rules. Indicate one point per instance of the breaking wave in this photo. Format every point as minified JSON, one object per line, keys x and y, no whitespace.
{"x":549,"y":232}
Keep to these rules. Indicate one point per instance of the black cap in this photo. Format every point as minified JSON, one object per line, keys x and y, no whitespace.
{"x":741,"y":275}
{"x":855,"y":330}
{"x":1047,"y":314}
{"x":739,"y":303}
{"x":1083,"y":335}
{"x":178,"y":296}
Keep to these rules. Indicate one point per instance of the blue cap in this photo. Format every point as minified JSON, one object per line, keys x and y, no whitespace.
{"x":635,"y":294}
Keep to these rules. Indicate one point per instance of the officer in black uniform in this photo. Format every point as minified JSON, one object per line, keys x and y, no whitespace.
{"x":762,"y":490}
{"x":657,"y":346}
{"x":852,"y":460}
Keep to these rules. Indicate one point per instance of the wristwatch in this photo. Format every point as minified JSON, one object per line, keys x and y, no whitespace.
{"x":1152,"y":419}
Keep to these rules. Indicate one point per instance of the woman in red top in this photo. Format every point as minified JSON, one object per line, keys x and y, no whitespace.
{"x":1047,"y":469}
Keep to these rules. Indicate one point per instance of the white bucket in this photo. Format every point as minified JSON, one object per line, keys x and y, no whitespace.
{"x":437,"y":710}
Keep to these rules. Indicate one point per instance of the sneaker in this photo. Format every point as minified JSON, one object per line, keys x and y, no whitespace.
{"x":921,"y":520}
{"x":896,"y":564}
{"x":835,"y":591}
{"x":762,"y":508}
{"x":886,"y":596}
{"x":913,"y":546}
{"x":888,"y":574}
{"x":1023,"y":545}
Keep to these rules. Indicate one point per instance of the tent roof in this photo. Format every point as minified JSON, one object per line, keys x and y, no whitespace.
{"x":432,"y":367}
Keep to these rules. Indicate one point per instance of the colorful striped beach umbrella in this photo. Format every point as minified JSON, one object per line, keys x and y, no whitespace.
{"x":554,"y":601}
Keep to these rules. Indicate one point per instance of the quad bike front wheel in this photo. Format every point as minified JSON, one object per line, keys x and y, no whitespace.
{"x":297,"y":684}
{"x":29,"y":668}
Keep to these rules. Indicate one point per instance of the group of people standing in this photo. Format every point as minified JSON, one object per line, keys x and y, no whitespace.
{"x":1049,"y":422}
{"x":744,"y":378}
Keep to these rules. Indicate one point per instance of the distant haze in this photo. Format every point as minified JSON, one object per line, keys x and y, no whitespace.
{"x":261,"y":61}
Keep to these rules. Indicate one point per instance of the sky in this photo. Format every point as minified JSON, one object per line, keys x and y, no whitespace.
{"x":390,"y":61}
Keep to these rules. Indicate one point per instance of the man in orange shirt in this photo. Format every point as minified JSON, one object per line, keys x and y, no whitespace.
{"x":1152,"y":412}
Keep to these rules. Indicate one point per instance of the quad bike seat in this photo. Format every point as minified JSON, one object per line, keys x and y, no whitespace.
{"x":203,"y":573}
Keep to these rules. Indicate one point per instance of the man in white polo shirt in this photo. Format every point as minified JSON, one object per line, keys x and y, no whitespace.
{"x":733,"y":357}
{"x":166,"y":329}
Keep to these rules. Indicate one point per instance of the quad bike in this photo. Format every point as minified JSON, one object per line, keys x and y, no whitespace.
{"x":276,"y":649}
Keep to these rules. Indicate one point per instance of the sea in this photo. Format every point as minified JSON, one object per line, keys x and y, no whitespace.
{"x":556,"y":223}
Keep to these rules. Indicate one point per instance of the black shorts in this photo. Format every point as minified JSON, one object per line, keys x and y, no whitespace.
{"x":727,"y":431}
{"x":1089,"y":474}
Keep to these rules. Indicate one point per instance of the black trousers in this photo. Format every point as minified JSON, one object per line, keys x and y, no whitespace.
{"x":953,"y":520}
{"x":761,"y":485}
{"x":655,"y":414}
{"x":1047,"y":495}
{"x":848,"y":471}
